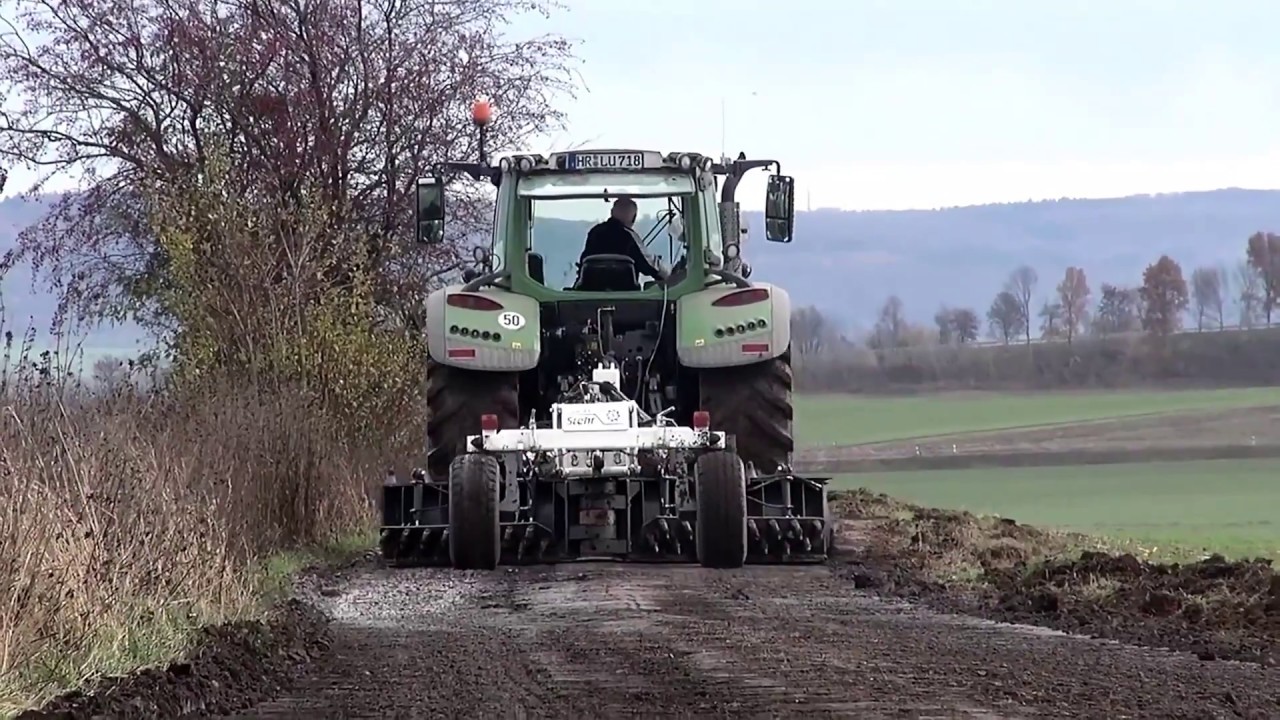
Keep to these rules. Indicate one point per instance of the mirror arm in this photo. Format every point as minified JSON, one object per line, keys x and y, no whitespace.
{"x":474,"y":170}
{"x":734,"y":172}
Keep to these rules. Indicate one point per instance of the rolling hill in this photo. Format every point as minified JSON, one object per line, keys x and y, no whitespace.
{"x":848,"y":262}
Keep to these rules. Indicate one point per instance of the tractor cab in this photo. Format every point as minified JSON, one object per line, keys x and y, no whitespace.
{"x":546,"y":206}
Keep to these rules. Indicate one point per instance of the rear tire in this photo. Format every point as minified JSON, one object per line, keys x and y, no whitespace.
{"x":474,"y":542}
{"x":456,"y":398}
{"x":753,"y":403}
{"x":721,"y":531}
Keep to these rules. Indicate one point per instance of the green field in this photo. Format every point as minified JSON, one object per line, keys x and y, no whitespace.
{"x":850,"y":419}
{"x":1226,"y":506}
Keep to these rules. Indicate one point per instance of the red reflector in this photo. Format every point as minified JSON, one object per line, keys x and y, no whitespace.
{"x":701,"y":420}
{"x":461,"y":353}
{"x":489,"y":423}
{"x":756,"y":347}
{"x":473,"y":302}
{"x":742,"y":297}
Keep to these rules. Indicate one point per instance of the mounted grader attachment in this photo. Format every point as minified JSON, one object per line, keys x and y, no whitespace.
{"x":596,"y":417}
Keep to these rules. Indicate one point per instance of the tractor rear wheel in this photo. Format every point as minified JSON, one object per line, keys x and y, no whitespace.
{"x":753,"y":403}
{"x":474,"y":542}
{"x":721,"y":530}
{"x":456,"y":398}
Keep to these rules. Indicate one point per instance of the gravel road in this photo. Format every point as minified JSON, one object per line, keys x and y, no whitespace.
{"x":596,"y":640}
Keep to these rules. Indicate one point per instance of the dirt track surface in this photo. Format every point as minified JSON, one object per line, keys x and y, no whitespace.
{"x":613,"y":641}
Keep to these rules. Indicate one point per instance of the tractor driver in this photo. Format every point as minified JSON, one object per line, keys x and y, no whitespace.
{"x":615,"y":236}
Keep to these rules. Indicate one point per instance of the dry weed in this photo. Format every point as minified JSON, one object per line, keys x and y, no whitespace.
{"x":129,"y":518}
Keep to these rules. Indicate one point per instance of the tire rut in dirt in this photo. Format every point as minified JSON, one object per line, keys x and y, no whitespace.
{"x":663,"y":642}
{"x":753,"y":402}
{"x":419,"y":643}
{"x":456,"y":398}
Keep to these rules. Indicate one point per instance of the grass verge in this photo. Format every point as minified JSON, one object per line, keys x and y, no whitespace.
{"x":1182,"y":509}
{"x":997,"y":568}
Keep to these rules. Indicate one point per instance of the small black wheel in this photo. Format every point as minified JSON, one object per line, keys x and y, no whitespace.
{"x":473,"y":512}
{"x":721,"y":484}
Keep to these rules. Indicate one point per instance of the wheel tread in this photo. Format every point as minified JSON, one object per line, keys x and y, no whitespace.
{"x":722,"y":510}
{"x":474,"y":542}
{"x":754,"y":403}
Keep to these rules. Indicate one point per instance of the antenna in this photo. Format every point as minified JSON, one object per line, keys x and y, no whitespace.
{"x":722,"y":123}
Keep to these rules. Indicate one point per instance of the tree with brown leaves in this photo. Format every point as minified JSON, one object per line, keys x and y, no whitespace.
{"x":1164,"y":296}
{"x":320,"y":114}
{"x":1263,"y":253}
{"x":1073,"y":297}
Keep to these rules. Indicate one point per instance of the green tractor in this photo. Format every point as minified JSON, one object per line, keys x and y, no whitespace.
{"x":577,"y":412}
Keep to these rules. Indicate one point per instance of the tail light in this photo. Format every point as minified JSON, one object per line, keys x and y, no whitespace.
{"x":489,"y":423}
{"x":742,"y":297}
{"x":701,"y":420}
{"x":473,"y":302}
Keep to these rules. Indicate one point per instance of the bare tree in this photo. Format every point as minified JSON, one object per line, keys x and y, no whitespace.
{"x":333,"y":108}
{"x":946,"y":325}
{"x":965,"y":325}
{"x":1073,"y":297}
{"x":1117,"y":311}
{"x":109,"y":373}
{"x":1251,"y":294}
{"x":1051,"y":322}
{"x":1006,"y":316}
{"x":1021,"y":284}
{"x":809,"y":331}
{"x":891,"y":327}
{"x":1207,"y":296}
{"x":1263,"y":253}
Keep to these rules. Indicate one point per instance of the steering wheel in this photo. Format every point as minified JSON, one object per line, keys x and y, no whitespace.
{"x":724,"y":276}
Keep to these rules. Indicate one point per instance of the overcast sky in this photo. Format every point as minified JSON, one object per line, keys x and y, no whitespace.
{"x":927,"y":103}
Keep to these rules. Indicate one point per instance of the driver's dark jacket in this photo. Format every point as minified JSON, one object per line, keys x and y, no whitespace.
{"x":611,"y":237}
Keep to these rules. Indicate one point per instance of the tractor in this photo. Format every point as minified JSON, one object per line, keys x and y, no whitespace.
{"x":576,"y":412}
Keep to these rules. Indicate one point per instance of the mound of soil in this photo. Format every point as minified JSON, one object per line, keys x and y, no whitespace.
{"x":1215,"y":608}
{"x":230,"y":668}
{"x":1001,"y":570}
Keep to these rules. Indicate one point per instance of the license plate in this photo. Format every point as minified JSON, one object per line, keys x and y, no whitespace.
{"x":582,"y":459}
{"x":606,"y":161}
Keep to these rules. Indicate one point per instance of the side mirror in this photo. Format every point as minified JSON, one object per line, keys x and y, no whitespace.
{"x":430,"y":211}
{"x":780,"y":209}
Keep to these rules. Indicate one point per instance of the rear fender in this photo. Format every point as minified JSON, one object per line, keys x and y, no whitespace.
{"x":488,"y":329}
{"x":726,"y":336}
